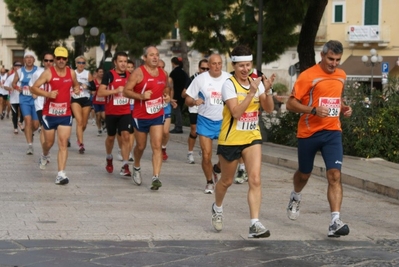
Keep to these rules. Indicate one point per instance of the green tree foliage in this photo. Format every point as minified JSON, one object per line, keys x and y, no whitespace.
{"x":130,"y":25}
{"x":222,"y":24}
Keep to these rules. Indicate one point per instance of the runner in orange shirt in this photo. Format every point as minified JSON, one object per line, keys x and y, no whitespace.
{"x":317,"y":96}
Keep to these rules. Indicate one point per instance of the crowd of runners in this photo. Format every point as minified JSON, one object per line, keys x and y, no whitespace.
{"x":132,"y":104}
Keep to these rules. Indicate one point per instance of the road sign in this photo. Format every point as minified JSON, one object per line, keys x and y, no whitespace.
{"x":385,"y":67}
{"x":102,"y":41}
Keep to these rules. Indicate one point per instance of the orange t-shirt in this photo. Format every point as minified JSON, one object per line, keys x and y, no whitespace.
{"x":315,"y":88}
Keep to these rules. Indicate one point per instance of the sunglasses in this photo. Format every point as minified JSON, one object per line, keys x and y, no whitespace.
{"x":48,"y":60}
{"x":63,"y":58}
{"x":80,"y":63}
{"x":204,"y":69}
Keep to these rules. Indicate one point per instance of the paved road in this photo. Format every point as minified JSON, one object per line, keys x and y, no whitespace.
{"x":101,"y":219}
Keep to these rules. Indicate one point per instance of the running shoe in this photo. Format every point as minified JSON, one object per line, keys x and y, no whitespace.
{"x":257,"y":230}
{"x":216,"y":173}
{"x":29,"y":151}
{"x":131,"y":159}
{"x":338,"y":228}
{"x":125,"y":171}
{"x":209,"y":188}
{"x":164,"y":155}
{"x":240,"y":177}
{"x":43,"y":162}
{"x":136,"y":176}
{"x":81,"y":149}
{"x":61,"y":180}
{"x":69,"y":144}
{"x":156,"y":183}
{"x":190,"y":158}
{"x":109,"y":167}
{"x":15,"y":131}
{"x":293,"y":209}
{"x":99,"y":133}
{"x":217,"y":219}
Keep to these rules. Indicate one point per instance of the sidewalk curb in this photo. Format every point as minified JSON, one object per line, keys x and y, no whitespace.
{"x":320,"y":170}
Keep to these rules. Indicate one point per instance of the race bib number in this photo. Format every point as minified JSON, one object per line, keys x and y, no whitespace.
{"x":216,"y":98}
{"x":248,"y":121}
{"x":58,"y":109}
{"x":154,"y":106}
{"x":333,"y":104}
{"x":120,"y":100}
{"x":26,"y":91}
{"x":100,"y":98}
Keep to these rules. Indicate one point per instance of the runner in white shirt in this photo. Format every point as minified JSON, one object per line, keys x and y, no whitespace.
{"x":81,"y":104}
{"x":14,"y":98}
{"x":48,"y":61}
{"x":205,"y":92}
{"x":3,"y":93}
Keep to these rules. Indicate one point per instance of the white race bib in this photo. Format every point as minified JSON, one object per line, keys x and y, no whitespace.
{"x":248,"y":121}
{"x":333,"y":104}
{"x":216,"y":98}
{"x":26,"y":91}
{"x":58,"y":109}
{"x":120,"y":100}
{"x":154,"y":106}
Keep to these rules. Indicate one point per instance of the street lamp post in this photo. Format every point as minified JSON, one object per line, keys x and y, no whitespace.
{"x":79,"y":32}
{"x":375,"y":59}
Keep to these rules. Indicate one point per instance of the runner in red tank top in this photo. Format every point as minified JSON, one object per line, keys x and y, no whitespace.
{"x":146,"y":86}
{"x":57,"y":109}
{"x":117,"y":112}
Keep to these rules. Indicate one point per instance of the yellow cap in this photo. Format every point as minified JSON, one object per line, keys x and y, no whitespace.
{"x":61,"y":52}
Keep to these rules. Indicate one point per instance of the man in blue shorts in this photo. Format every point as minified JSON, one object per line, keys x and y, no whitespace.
{"x":317,"y":96}
{"x":205,"y":91}
{"x":26,"y":101}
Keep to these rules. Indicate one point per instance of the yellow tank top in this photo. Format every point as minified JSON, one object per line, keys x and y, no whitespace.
{"x":244,"y":130}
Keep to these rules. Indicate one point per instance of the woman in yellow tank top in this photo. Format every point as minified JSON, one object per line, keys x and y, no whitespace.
{"x":240,"y":136}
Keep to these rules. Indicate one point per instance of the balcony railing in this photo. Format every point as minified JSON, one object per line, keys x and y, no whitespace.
{"x":368,"y":34}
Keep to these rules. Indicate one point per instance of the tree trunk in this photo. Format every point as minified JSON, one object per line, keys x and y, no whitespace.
{"x":308,"y":33}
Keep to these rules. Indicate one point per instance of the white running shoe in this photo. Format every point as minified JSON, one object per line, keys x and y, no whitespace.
{"x":217,"y":219}
{"x":209,"y":188}
{"x":190,"y":158}
{"x":293,"y":209}
{"x":257,"y":230}
{"x":43,"y":162}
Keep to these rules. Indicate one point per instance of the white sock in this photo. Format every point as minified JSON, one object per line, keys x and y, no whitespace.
{"x":334,"y":216}
{"x":190,"y":152}
{"x":254,"y":221}
{"x":62,"y":174}
{"x":217,"y":209}
{"x":296,"y":196}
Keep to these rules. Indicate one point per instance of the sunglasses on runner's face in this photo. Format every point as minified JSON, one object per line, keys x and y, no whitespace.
{"x":204,"y":69}
{"x":48,"y":60}
{"x":59,"y":58}
{"x":80,"y":62}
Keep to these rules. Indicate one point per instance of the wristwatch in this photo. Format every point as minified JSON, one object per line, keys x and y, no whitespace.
{"x":313,"y":112}
{"x":270,"y":92}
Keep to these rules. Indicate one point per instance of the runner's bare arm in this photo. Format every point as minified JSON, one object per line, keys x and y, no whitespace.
{"x":134,"y":79}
